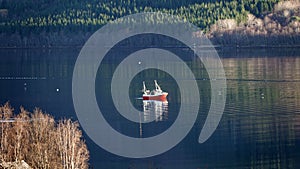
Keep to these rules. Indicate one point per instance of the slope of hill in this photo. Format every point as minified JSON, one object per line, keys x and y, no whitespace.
{"x":281,"y":27}
{"x":70,"y":22}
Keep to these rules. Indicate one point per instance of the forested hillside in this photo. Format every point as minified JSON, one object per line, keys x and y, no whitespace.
{"x":25,"y":18}
{"x":35,"y":16}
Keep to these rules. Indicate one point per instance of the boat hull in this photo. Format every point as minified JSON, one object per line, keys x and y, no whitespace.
{"x":160,"y":97}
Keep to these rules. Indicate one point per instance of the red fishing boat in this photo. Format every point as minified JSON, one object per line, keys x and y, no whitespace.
{"x":156,"y":94}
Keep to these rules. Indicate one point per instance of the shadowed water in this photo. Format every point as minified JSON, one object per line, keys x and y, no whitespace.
{"x":260,"y":127}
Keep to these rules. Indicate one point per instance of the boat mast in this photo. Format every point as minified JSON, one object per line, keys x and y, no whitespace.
{"x":144,"y":88}
{"x":157,"y":87}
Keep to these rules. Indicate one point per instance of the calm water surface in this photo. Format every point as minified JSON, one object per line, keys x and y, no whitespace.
{"x":260,"y":127}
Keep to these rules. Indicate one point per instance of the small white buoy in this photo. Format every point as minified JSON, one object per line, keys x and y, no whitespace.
{"x":25,"y":86}
{"x":140,"y":62}
{"x":57,"y":89}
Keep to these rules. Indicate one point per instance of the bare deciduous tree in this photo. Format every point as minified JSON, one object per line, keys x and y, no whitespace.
{"x":40,"y":141}
{"x":6,"y":113}
{"x":73,"y":151}
{"x":20,"y":135}
{"x":43,"y":141}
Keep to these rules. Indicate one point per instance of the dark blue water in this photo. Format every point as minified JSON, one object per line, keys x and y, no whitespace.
{"x":260,"y":127}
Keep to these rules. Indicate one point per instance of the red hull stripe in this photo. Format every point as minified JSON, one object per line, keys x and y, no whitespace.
{"x":160,"y":97}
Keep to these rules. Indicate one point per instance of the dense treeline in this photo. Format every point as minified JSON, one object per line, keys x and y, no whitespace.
{"x":37,"y":139}
{"x":35,"y":16}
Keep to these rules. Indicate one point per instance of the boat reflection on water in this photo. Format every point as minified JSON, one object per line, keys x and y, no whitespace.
{"x":158,"y":109}
{"x":153,"y":109}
